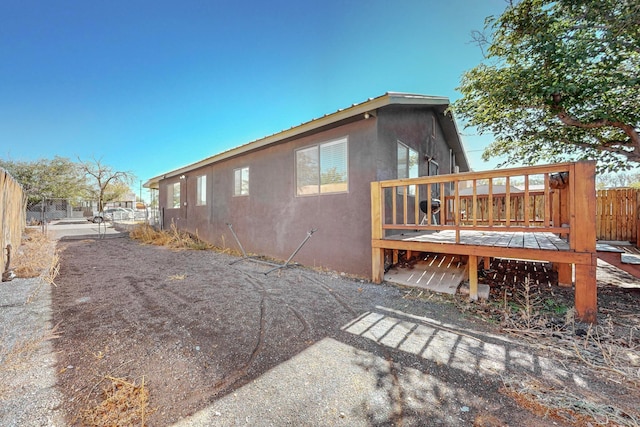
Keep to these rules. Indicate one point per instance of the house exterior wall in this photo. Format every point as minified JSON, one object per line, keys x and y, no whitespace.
{"x":272,"y":220}
{"x":418,"y":128}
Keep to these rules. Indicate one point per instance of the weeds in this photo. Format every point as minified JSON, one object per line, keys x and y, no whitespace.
{"x":610,"y":348}
{"x":562,"y":405}
{"x":34,"y":257}
{"x":15,"y":357}
{"x":599,"y":347}
{"x":175,"y":239}
{"x":172,"y":238}
{"x":18,"y":356}
{"x":124,"y":403}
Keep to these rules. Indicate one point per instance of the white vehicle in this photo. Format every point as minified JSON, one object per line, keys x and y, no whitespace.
{"x":113,"y":214}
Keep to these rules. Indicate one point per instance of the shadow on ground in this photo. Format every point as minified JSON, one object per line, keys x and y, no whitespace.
{"x":227,"y":345}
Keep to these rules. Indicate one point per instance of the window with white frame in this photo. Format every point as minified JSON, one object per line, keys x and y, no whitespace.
{"x":407,"y":165}
{"x":323,"y":168}
{"x":173,"y":195}
{"x":201,"y":190}
{"x":241,"y":181}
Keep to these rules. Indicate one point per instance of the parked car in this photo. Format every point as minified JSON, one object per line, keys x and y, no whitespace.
{"x":111,"y":214}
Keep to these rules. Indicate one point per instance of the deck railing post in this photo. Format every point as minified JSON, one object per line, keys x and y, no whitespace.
{"x":377,"y":254}
{"x":583,"y":239}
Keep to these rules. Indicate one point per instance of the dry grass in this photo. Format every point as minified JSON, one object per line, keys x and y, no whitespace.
{"x":560,"y":404}
{"x":599,"y":347}
{"x":176,"y":239}
{"x":124,"y":403}
{"x":609,"y":349}
{"x":172,"y":238}
{"x":18,"y":356}
{"x":35,"y":255}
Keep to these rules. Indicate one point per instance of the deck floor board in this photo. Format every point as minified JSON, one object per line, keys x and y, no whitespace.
{"x":503,"y":239}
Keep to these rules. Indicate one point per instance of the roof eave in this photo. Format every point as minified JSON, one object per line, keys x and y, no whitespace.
{"x":372,"y":104}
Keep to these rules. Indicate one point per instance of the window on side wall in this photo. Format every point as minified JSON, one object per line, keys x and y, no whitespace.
{"x":241,"y":181}
{"x":434,"y":169}
{"x":201,"y":190}
{"x":407,"y":165}
{"x":323,"y":168}
{"x":173,"y":195}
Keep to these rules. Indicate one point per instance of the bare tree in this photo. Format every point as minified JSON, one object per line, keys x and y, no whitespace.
{"x":108,"y":184}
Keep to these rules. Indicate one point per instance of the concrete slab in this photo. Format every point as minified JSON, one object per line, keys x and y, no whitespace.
{"x":630,"y":258}
{"x":81,"y":230}
{"x":332,"y":383}
{"x":605,"y":247}
{"x":436,"y":272}
{"x":483,"y":290}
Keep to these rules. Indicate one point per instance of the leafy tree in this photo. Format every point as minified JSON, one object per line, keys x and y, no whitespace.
{"x":333,"y":176}
{"x":618,"y":180}
{"x":559,"y":82}
{"x":108,"y":185}
{"x":44,"y":178}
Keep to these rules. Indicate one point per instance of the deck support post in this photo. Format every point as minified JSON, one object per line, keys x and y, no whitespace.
{"x":377,"y":265}
{"x":487,"y":262}
{"x":377,"y":254}
{"x":565,"y":274}
{"x":586,"y":293}
{"x":472,"y":265}
{"x":583,"y":238}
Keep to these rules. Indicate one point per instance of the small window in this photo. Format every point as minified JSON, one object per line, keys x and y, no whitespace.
{"x":241,"y":181}
{"x":434,"y":169}
{"x":433,"y":126}
{"x":322,"y":169}
{"x":407,"y":165}
{"x":201,"y":190}
{"x":173,"y":195}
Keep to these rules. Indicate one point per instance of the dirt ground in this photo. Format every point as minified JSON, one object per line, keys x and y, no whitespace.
{"x":201,"y":333}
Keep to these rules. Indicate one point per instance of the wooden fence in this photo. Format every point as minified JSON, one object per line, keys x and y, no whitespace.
{"x":617,"y":214}
{"x":12,"y":214}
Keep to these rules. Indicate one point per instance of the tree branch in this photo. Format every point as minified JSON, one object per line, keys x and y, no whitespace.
{"x":615,"y":147}
{"x":634,"y":137}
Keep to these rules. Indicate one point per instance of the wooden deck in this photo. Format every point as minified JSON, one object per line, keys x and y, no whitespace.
{"x":555,"y":224}
{"x":502,"y":239}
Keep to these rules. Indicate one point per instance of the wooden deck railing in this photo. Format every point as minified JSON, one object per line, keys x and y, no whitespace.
{"x":485,"y":201}
{"x":557,"y":199}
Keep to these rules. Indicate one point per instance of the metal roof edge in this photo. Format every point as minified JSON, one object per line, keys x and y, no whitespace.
{"x":389,"y":98}
{"x":457,"y":131}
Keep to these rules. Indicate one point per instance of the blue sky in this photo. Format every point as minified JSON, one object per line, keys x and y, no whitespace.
{"x":150,"y":86}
